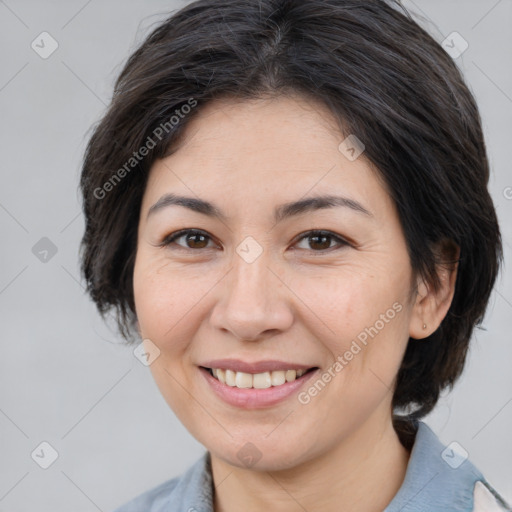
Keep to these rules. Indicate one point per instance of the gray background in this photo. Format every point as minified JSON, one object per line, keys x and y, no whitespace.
{"x":65,"y":377}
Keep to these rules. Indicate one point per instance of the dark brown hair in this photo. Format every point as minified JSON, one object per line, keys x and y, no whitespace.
{"x":386,"y":80}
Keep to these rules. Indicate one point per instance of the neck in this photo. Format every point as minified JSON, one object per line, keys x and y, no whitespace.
{"x":363,"y":471}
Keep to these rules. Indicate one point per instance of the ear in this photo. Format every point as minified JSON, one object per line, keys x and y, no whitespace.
{"x":431,"y":306}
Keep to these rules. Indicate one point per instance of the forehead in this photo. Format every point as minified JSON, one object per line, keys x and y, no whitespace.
{"x":262,"y":127}
{"x":264,"y":149}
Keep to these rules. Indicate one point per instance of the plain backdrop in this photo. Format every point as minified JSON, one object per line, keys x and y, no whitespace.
{"x":65,"y":377}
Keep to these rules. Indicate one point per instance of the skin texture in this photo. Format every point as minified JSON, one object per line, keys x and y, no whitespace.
{"x":299,"y":301}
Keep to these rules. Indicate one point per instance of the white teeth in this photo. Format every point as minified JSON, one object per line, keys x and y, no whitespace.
{"x":278,"y":378}
{"x":230,"y":378}
{"x":263,"y":380}
{"x":221,"y":375}
{"x":243,"y":380}
{"x":290,"y":375}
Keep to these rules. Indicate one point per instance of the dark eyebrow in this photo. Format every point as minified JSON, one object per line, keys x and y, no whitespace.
{"x":316,"y":203}
{"x":281,"y":212}
{"x":192,"y":203}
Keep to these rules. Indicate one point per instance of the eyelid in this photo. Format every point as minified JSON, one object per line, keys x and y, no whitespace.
{"x":178,"y":234}
{"x":342,"y":241}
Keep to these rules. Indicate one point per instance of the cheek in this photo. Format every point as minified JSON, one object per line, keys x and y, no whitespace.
{"x":167,"y":302}
{"x":365,"y":321}
{"x":156,"y":299}
{"x":163,"y":305}
{"x":348,"y":301}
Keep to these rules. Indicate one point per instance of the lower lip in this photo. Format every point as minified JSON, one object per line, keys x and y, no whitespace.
{"x":251,"y":398}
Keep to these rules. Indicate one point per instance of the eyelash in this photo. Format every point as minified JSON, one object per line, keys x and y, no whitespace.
{"x":169,"y":239}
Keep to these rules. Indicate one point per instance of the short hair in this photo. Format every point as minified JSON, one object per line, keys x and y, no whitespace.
{"x":383,"y":77}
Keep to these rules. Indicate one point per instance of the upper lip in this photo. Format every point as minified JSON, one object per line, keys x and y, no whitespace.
{"x":254,"y":367}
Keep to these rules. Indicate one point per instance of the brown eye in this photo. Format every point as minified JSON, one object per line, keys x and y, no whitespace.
{"x":197,"y":240}
{"x":321,"y":240}
{"x":318,"y":241}
{"x":194,"y":239}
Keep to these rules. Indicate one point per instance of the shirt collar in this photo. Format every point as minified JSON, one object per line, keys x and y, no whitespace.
{"x":437,"y":478}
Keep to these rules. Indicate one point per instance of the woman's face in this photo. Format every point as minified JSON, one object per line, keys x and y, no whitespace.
{"x":257,"y":284}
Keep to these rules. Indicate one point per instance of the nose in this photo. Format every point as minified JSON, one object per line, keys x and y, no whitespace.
{"x":254,"y":302}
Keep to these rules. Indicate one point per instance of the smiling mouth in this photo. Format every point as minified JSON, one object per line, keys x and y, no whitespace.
{"x":263,"y":380}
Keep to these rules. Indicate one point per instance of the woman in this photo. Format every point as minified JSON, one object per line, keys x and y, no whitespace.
{"x":287,"y":202}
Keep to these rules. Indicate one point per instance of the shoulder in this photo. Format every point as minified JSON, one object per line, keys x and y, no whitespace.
{"x":190,"y":491}
{"x":440,"y":477}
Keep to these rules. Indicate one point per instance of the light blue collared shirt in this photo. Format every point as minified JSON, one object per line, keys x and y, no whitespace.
{"x":437,"y":479}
